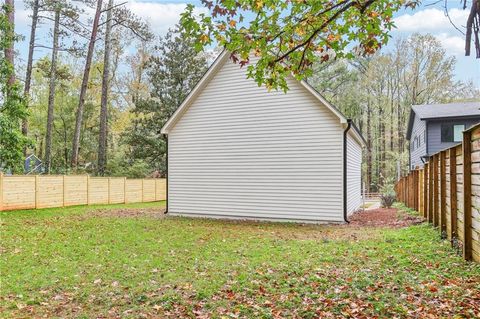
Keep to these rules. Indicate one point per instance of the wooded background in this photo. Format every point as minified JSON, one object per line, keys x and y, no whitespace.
{"x":96,"y":102}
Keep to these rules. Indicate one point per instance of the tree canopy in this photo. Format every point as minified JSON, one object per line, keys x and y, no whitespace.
{"x":12,"y":103}
{"x":290,"y":36}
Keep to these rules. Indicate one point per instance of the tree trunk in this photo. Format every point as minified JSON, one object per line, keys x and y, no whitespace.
{"x":51,"y":94}
{"x":381,"y":146}
{"x":9,"y":51}
{"x":28,"y":74}
{"x":102,"y":139}
{"x":83,"y":88}
{"x":368,"y":180}
{"x":392,"y":113}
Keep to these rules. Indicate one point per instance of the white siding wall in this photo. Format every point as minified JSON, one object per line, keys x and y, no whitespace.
{"x":240,"y":151}
{"x":354,"y":174}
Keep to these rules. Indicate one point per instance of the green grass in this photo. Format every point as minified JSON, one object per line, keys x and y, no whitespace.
{"x":88,"y":262}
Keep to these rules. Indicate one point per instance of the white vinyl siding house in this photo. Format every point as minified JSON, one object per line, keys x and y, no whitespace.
{"x":354,"y":174}
{"x":236,"y":150}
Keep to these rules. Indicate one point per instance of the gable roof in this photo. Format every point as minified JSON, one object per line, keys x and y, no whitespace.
{"x":214,"y":68}
{"x":442,"y":111}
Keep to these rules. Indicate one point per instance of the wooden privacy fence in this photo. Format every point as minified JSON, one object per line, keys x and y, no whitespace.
{"x":447,"y":192}
{"x":42,"y":191}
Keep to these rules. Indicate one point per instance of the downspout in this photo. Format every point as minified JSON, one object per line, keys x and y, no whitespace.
{"x":166,"y":167}
{"x":345,"y":136}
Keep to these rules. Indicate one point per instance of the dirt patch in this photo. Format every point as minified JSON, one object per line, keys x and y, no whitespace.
{"x":384,"y":217}
{"x":128,"y":212}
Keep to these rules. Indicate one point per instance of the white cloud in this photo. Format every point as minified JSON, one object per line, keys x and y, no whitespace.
{"x":431,"y":20}
{"x":22,"y":17}
{"x":161,"y":16}
{"x":454,"y":45}
{"x":435,"y":22}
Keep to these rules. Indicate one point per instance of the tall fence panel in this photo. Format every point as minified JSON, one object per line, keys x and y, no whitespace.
{"x":43,"y":191}
{"x":18,"y":192}
{"x":446,"y":191}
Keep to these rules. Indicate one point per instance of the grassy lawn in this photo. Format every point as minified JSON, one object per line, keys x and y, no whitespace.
{"x":128,"y":261}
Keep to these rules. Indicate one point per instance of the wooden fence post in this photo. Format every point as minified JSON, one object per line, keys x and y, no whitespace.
{"x":402,"y":190}
{"x":430,"y":189}
{"x":436,"y":194}
{"x":155,"y":189}
{"x":124,"y":190}
{"x":1,"y":191}
{"x":425,"y":191}
{"x":417,"y":190}
{"x":443,"y":194}
{"x":88,"y":189}
{"x":420,"y":191}
{"x":405,"y":189}
{"x":414,"y":187}
{"x":405,"y":184}
{"x":36,"y":191}
{"x":410,"y":186}
{"x":412,"y":190}
{"x":108,"y":179}
{"x":453,"y":193}
{"x":63,"y":191}
{"x":467,"y":195}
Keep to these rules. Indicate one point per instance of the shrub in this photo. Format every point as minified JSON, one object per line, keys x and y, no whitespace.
{"x":388,"y":195}
{"x":387,"y":199}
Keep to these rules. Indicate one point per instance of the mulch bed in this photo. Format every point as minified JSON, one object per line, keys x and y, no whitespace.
{"x":384,"y":217}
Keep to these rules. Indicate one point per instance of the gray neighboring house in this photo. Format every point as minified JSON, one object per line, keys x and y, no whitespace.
{"x":435,"y":127}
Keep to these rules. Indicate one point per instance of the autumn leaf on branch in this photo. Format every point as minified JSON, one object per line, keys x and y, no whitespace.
{"x":289,"y":36}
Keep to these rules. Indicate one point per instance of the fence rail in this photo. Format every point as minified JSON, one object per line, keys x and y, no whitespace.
{"x":447,"y":192}
{"x":43,"y":191}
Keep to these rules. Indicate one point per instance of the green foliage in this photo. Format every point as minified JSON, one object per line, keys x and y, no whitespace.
{"x":173,"y":72}
{"x":289,"y":36}
{"x":127,"y":261}
{"x":119,"y":165}
{"x":66,"y":99}
{"x":13,"y":105}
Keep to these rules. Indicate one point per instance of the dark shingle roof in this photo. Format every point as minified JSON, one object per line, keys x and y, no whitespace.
{"x":431,"y":111}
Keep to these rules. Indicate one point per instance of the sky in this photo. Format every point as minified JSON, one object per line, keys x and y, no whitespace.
{"x":427,"y":18}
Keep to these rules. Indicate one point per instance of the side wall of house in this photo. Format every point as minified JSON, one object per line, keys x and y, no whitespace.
{"x":354,"y":174}
{"x":434,"y":129}
{"x":418,"y":149}
{"x":240,"y":151}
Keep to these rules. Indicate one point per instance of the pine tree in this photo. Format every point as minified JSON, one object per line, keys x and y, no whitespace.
{"x":173,"y":73}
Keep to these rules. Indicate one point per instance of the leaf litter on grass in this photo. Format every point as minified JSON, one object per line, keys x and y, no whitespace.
{"x":390,"y":268}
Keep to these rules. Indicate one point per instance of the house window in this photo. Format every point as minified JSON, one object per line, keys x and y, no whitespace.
{"x":452,"y":133}
{"x":458,"y":132}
